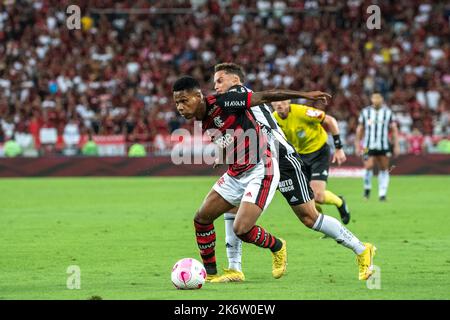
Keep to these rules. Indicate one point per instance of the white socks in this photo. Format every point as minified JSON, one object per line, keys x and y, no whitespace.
{"x":233,"y":244}
{"x":325,"y":224}
{"x":334,"y":229}
{"x":368,"y":179}
{"x":383,"y":182}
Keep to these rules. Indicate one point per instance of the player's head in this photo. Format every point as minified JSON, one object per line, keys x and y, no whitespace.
{"x":282,"y":108}
{"x":187,"y":96}
{"x":377,"y":99}
{"x":227,"y":75}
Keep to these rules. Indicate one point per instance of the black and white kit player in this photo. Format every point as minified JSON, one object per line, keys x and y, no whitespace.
{"x":293,"y":183}
{"x":376,"y":123}
{"x":296,"y":191}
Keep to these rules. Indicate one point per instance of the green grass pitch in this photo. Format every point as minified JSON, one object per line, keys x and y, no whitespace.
{"x":125,"y":234}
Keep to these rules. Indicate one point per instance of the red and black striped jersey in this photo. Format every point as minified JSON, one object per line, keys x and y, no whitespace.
{"x":233,"y":128}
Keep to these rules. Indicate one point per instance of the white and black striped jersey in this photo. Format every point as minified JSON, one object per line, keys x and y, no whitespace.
{"x":376,"y":124}
{"x":263,"y":115}
{"x":293,"y":184}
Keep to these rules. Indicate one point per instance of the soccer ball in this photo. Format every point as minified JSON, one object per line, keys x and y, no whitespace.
{"x":188,"y":274}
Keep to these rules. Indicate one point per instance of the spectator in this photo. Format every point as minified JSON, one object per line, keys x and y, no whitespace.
{"x":137,"y":150}
{"x":416,"y":142}
{"x":8,"y":126}
{"x":117,"y":70}
{"x":12,"y":149}
{"x":71,"y":137}
{"x":90,"y":148}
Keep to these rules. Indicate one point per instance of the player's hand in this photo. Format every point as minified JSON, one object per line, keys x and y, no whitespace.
{"x":339,"y":156}
{"x":318,"y":96}
{"x":358,"y":151}
{"x":396,"y":151}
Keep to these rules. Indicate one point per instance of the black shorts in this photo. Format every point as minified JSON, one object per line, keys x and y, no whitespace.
{"x":374,"y":152}
{"x":317,"y":163}
{"x":294,"y":185}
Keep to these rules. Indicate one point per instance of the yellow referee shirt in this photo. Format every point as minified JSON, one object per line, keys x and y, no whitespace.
{"x":303,"y":128}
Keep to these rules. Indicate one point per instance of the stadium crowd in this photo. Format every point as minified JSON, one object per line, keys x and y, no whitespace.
{"x":114,"y":76}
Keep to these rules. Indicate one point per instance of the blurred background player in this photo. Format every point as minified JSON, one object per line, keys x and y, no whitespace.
{"x":375,"y":123}
{"x":303,"y":127}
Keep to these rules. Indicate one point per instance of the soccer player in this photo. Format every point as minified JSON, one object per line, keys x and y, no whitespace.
{"x":293,"y":185}
{"x":302,"y":126}
{"x":374,"y":124}
{"x":253,"y":174}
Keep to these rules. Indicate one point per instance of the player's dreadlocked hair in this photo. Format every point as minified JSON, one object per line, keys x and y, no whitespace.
{"x":185,"y":83}
{"x":232,"y":68}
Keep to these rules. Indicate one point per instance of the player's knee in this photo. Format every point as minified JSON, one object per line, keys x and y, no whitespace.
{"x":308,"y":221}
{"x":240,"y":229}
{"x":199,"y":217}
{"x":307,"y":216}
{"x":368,"y":166}
{"x":319,"y":196}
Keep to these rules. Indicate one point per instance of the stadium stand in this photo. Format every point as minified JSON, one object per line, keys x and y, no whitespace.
{"x":113,"y":77}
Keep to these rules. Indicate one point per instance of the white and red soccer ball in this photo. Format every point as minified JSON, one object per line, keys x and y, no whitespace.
{"x":188,"y":274}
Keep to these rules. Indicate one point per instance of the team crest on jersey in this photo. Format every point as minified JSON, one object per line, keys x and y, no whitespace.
{"x":218,"y":122}
{"x":314,"y":113}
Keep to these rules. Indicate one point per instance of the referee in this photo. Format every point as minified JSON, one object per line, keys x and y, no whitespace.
{"x":303,"y":127}
{"x":375,"y":123}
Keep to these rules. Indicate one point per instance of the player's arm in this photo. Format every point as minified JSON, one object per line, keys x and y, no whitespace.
{"x":331,"y":124}
{"x":358,"y":138}
{"x":274,"y":95}
{"x":359,"y":134}
{"x":239,"y":101}
{"x":234,"y":101}
{"x":395,"y":142}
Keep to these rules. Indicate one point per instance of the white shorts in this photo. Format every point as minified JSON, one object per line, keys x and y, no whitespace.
{"x":257,"y":185}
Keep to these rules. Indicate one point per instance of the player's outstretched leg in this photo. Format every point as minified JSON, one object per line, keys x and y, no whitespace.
{"x":364,"y":251}
{"x":247,"y":231}
{"x":335,"y":230}
{"x":213,"y":206}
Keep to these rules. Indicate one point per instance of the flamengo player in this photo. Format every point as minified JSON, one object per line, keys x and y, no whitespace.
{"x":253,"y":173}
{"x":293,"y":185}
